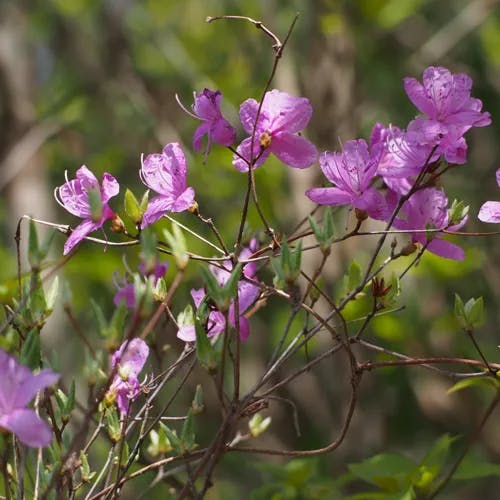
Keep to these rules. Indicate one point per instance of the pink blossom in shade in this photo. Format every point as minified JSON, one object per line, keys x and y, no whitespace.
{"x":352,"y":172}
{"x":18,"y":387}
{"x":428,"y":209}
{"x":490,"y":211}
{"x":281,"y":117}
{"x":206,"y":107}
{"x":247,"y":295}
{"x":74,"y":197}
{"x":128,"y":361}
{"x":165,"y":173}
{"x":444,"y":98}
{"x":126,"y":290}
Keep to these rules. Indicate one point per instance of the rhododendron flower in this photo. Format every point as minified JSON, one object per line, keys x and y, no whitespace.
{"x":165,"y":173}
{"x":428,"y":209}
{"x":126,"y":292}
{"x":280,"y":118}
{"x":404,"y":153}
{"x":128,"y":362}
{"x":352,"y":172}
{"x":18,"y":387}
{"x":217,"y":129}
{"x":247,"y":295}
{"x":450,"y":110}
{"x":490,"y":211}
{"x":84,"y":198}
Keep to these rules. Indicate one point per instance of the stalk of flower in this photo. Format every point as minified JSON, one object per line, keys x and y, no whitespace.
{"x":85,"y":198}
{"x":19,"y":386}
{"x":165,"y":173}
{"x":281,"y":117}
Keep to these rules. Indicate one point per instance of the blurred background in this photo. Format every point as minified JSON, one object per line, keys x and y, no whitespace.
{"x":93,"y":82}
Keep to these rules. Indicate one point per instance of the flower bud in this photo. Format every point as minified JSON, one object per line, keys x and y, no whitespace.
{"x":117,"y":225}
{"x":409,"y":249}
{"x":360,"y":214}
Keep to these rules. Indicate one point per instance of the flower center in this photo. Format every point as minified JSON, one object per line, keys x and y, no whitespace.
{"x":265,"y":140}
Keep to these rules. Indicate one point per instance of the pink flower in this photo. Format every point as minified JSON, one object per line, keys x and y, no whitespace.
{"x":165,"y":173}
{"x":280,"y":118}
{"x":404,"y":154}
{"x":450,"y":110}
{"x":126,"y":290}
{"x":247,"y":295}
{"x":128,"y":361}
{"x":217,"y":129}
{"x":19,"y":386}
{"x":351,"y":172}
{"x":75,"y":197}
{"x":490,"y":211}
{"x":428,"y":209}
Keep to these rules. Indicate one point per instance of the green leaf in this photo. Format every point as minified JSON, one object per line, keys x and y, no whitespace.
{"x":205,"y":352}
{"x":474,"y":381}
{"x":197,"y":405}
{"x":148,"y":249}
{"x":51,"y":295}
{"x":177,"y":243}
{"x":215,"y":291}
{"x":30,"y":351}
{"x":231,"y":287}
{"x":173,"y":439}
{"x":187,"y":433}
{"x":472,"y":469}
{"x":353,"y":277}
{"x":389,"y":471}
{"x":132,"y":207}
{"x":475,"y":312}
{"x":144,"y":201}
{"x":33,"y":248}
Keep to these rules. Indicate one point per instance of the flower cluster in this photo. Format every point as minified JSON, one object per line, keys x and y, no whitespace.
{"x":127,"y":362}
{"x":401,"y":159}
{"x":19,"y":386}
{"x":248,"y":293}
{"x":391,"y":178}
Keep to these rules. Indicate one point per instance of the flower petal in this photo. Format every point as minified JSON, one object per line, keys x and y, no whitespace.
{"x":157,"y":207}
{"x":79,"y":233}
{"x":289,"y":113}
{"x":244,"y":152}
{"x":490,"y":212}
{"x":329,"y":196}
{"x":30,"y":429}
{"x":294,"y":150}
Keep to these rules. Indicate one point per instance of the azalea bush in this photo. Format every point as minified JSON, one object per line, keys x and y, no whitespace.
{"x":389,"y":189}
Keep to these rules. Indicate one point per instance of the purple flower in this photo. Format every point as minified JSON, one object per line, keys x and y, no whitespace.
{"x":126,"y":291}
{"x":450,"y":110}
{"x":428,"y":209}
{"x":217,"y":129}
{"x":490,"y":211}
{"x":19,"y":386}
{"x":165,"y":173}
{"x":280,"y":118}
{"x":84,"y":198}
{"x":352,"y":172}
{"x":128,"y":361}
{"x":404,"y":153}
{"x":247,"y":295}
